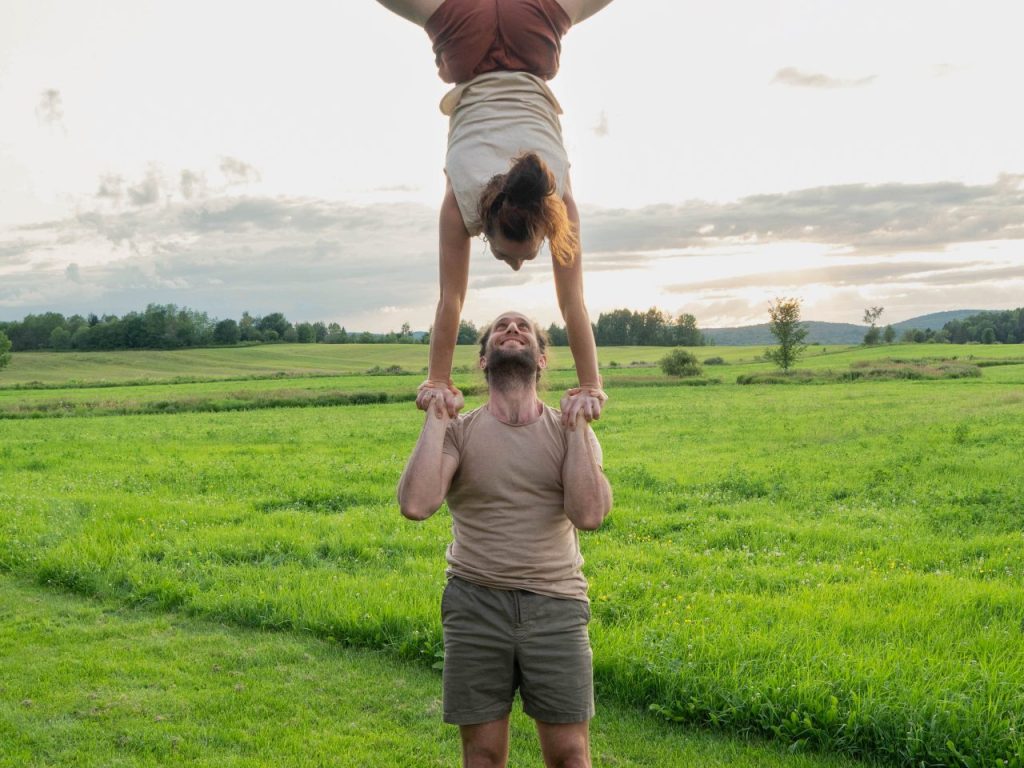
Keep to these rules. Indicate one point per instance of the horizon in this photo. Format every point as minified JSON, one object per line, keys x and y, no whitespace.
{"x":480,"y":323}
{"x":132,"y":172}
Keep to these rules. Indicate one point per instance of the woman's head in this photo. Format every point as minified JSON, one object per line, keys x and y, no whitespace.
{"x":521,"y":208}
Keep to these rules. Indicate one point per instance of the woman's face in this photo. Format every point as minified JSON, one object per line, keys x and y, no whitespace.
{"x":513,"y":252}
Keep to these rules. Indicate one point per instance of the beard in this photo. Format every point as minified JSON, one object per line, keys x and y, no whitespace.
{"x":511,"y":369}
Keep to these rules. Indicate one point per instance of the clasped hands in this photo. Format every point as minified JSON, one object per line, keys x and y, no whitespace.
{"x":443,"y":396}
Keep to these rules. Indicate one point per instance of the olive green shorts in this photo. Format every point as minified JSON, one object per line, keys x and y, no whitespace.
{"x":497,"y":641}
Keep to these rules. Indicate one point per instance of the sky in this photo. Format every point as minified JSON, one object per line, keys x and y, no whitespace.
{"x":271,"y":157}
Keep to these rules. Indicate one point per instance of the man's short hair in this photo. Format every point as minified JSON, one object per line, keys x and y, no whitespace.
{"x":538,"y":332}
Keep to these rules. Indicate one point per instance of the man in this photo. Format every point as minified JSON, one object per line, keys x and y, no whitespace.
{"x":515,"y":609}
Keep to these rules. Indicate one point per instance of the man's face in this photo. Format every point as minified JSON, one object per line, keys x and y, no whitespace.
{"x":513,"y":353}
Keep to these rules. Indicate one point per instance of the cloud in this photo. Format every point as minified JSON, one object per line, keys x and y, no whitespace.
{"x":314,"y":258}
{"x":601,"y":127}
{"x":111,"y":188}
{"x":861,"y":218}
{"x":237,"y":172}
{"x":50,"y":109}
{"x":307,"y":258}
{"x":192,"y":184}
{"x":799,"y":79}
{"x":882,"y":272}
{"x":147,"y":191}
{"x":15,"y":252}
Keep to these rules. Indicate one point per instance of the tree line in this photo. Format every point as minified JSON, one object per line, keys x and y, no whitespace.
{"x":994,"y":327}
{"x":626,"y":327}
{"x":1005,"y":327}
{"x":167,"y":326}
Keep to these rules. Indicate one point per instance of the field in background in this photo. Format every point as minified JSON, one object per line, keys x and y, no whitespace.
{"x":836,"y":566}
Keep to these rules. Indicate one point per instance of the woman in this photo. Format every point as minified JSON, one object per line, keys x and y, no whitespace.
{"x":499,"y":53}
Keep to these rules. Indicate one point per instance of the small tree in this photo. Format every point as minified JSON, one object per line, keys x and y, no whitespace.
{"x":786,"y":327}
{"x":5,"y":349}
{"x":60,"y":339}
{"x":871,"y":315}
{"x":467,"y":333}
{"x":679,"y":362}
{"x":889,"y":335}
{"x":226,"y":332}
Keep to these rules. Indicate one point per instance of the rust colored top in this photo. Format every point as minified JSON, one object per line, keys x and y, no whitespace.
{"x":471,"y":37}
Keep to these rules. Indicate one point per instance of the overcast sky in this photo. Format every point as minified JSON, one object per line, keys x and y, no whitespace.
{"x":232,"y":156}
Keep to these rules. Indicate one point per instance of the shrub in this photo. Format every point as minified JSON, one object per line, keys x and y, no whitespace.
{"x":714,"y":361}
{"x":679,"y":362}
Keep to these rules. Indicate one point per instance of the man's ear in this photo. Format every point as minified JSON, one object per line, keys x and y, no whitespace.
{"x":482,"y":362}
{"x":542,"y":362}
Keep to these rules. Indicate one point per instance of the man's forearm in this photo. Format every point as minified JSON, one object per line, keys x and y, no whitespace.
{"x":588,"y":496}
{"x":421,"y":489}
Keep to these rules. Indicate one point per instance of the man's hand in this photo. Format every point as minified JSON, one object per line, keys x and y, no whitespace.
{"x":443,"y":396}
{"x":587,"y":402}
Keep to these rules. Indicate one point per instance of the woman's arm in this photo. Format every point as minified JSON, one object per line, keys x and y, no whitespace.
{"x":454,"y":246}
{"x":416,"y":11}
{"x":569,"y":289}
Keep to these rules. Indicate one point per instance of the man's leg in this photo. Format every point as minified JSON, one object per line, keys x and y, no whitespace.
{"x":565,"y":745}
{"x":485,"y":745}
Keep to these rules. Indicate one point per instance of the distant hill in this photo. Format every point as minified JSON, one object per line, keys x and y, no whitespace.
{"x":936,"y":320}
{"x":828,"y":333}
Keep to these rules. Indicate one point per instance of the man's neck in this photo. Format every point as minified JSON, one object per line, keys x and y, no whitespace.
{"x":516,"y":405}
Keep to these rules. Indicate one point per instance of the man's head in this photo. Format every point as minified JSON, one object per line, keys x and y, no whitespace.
{"x":513,"y":351}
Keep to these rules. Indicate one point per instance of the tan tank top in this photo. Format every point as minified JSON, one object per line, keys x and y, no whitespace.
{"x":509,"y":528}
{"x":494,"y":118}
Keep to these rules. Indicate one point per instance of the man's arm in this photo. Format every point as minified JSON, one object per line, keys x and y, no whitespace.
{"x":416,"y":11}
{"x":578,"y":10}
{"x":429,"y":471}
{"x":588,"y":496}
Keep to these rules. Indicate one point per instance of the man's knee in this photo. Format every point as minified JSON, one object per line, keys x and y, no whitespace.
{"x":565,"y":745}
{"x":482,"y":755}
{"x":485,"y":745}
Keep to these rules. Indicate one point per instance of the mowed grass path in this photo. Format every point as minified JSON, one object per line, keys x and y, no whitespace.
{"x":87,"y":682}
{"x":838,"y":565}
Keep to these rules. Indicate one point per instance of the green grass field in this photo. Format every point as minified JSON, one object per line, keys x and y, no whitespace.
{"x":836,"y":567}
{"x":88,"y":682}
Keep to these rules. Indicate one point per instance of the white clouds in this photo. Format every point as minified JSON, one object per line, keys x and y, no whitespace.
{"x":319,"y":259}
{"x":237,"y":172}
{"x":50,"y":109}
{"x":147,"y":191}
{"x":800,"y":79}
{"x":885,"y":218}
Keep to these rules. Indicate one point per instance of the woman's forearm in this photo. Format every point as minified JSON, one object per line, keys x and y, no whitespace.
{"x":581,"y":343}
{"x":442,"y":340}
{"x":569,"y":289}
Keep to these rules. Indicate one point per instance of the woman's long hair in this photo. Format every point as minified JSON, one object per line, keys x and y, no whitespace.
{"x":524,"y":203}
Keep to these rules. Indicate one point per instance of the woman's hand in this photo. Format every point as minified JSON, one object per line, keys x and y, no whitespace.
{"x":443,"y":395}
{"x":587,"y":402}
